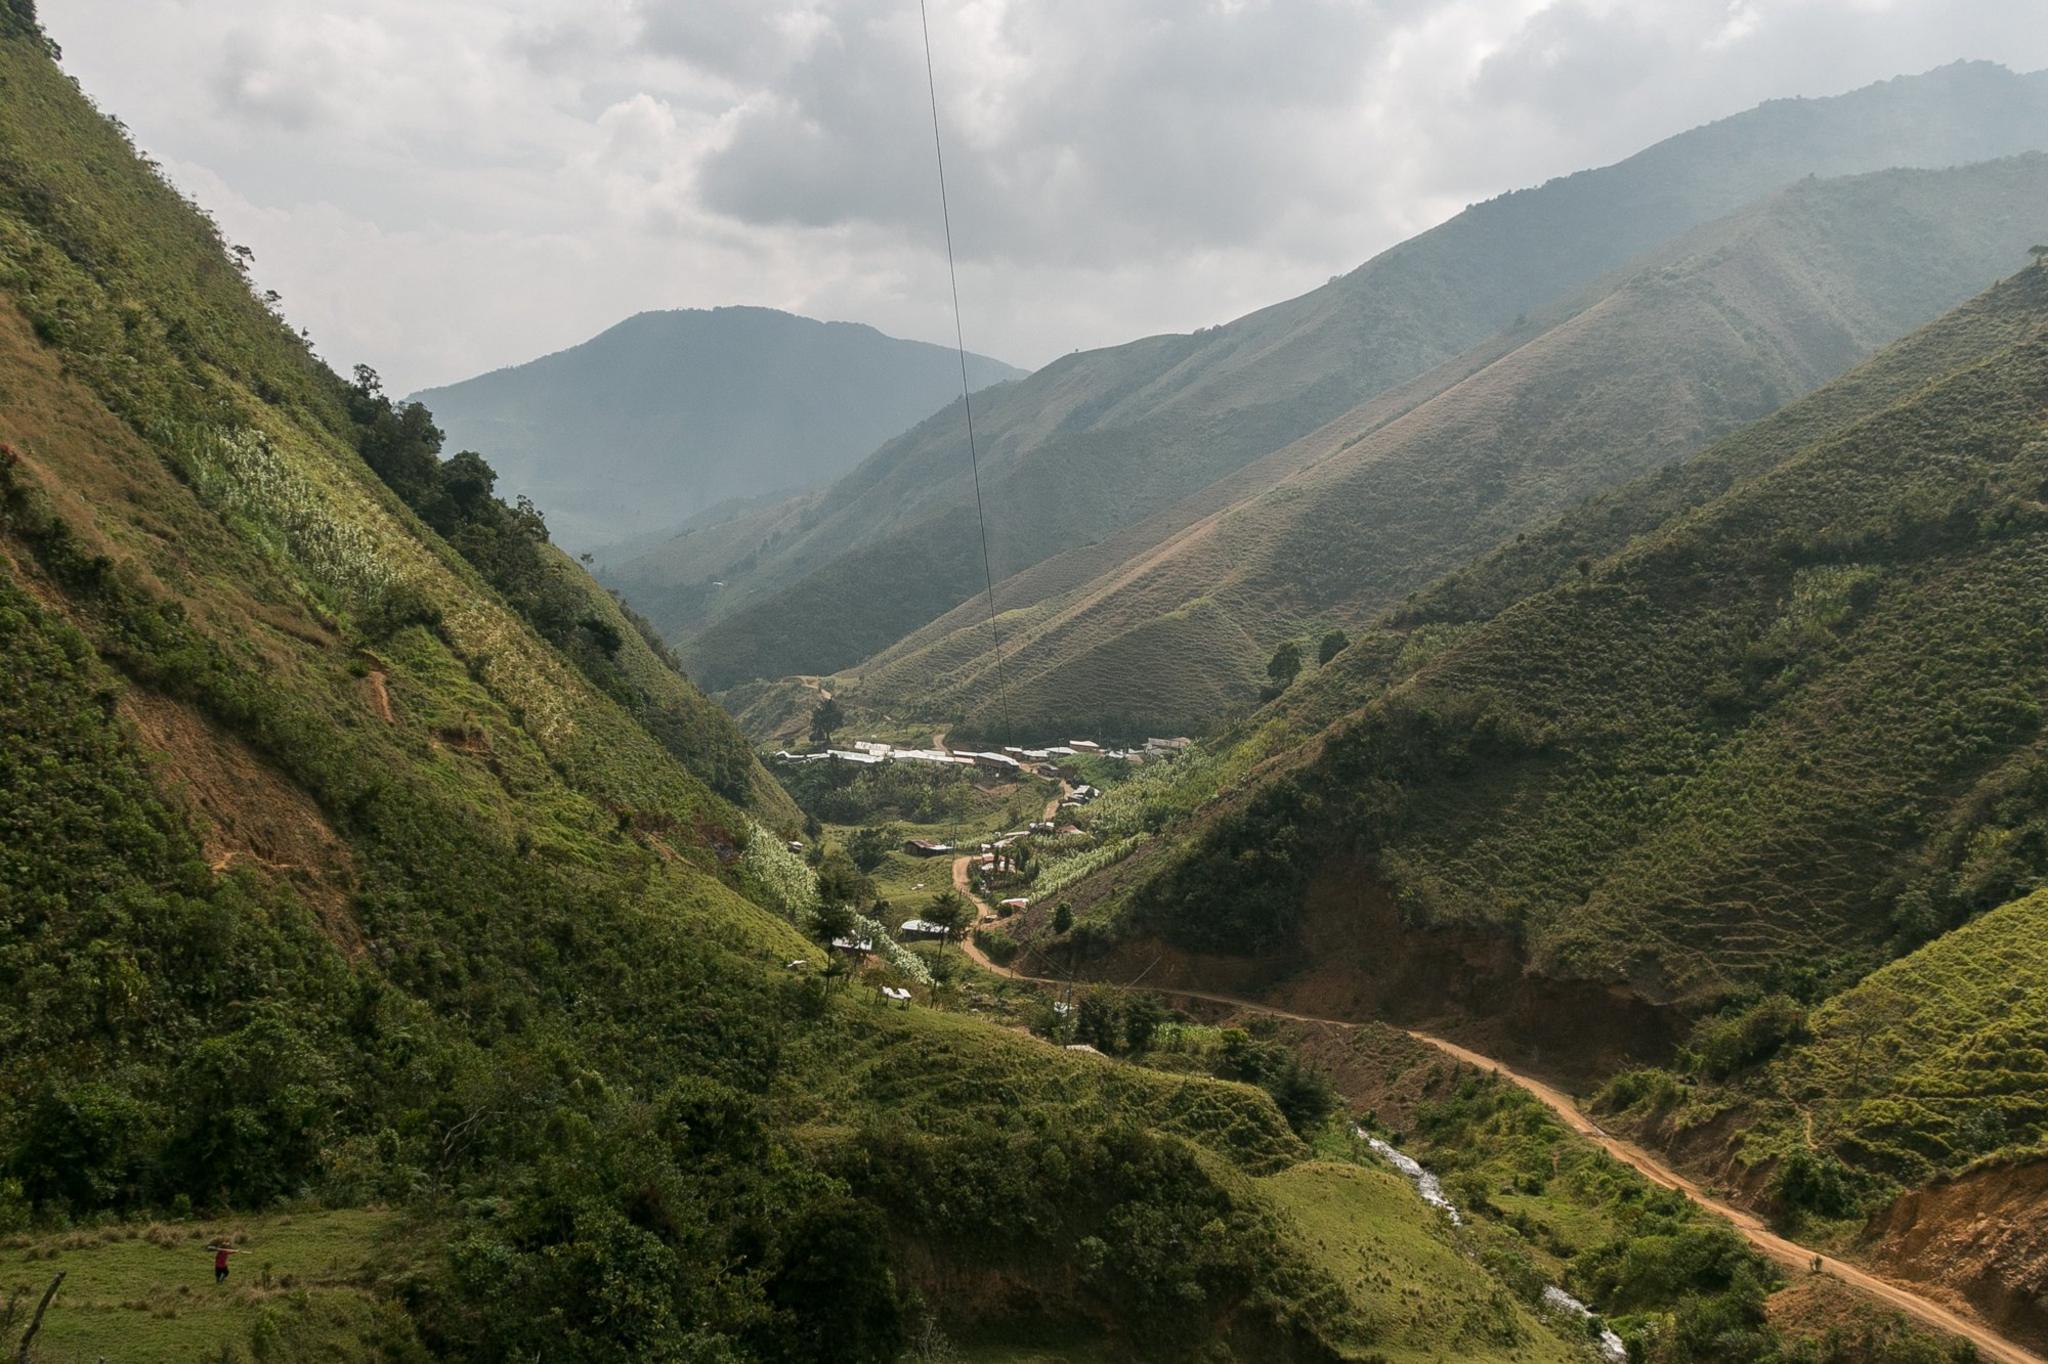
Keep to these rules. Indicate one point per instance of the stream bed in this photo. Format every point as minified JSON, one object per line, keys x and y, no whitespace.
{"x":1432,"y":1191}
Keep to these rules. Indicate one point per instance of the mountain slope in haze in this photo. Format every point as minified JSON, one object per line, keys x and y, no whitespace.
{"x":1760,"y":740}
{"x":1097,"y":441}
{"x":1710,"y":333}
{"x":355,"y":853}
{"x":668,"y":414}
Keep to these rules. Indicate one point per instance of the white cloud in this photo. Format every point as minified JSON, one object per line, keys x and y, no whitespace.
{"x":443,"y":188}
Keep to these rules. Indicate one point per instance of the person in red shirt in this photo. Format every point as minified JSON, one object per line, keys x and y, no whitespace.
{"x":220,"y":1262}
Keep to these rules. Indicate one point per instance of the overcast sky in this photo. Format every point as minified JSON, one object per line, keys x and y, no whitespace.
{"x":440,"y":187}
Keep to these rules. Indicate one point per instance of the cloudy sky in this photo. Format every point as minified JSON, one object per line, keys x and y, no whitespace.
{"x":439,"y":187}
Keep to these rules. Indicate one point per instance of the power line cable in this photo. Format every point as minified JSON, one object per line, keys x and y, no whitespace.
{"x":960,"y":344}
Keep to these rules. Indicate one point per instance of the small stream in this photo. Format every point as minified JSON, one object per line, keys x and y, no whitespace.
{"x":1432,"y":1191}
{"x":1425,"y":1183}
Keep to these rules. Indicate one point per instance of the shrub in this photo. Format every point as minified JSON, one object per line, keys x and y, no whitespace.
{"x":1722,"y":1045}
{"x":1815,"y":1182}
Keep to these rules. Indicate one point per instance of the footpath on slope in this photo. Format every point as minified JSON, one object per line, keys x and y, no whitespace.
{"x":1990,"y":1344}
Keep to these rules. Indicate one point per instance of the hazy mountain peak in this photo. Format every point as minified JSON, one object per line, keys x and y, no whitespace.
{"x":671,"y":411}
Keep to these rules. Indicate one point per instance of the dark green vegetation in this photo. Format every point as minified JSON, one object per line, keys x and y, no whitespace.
{"x":1767,"y":745}
{"x":1097,"y":442}
{"x":1705,"y":336}
{"x":669,"y":415}
{"x":916,"y":793}
{"x":359,"y":853}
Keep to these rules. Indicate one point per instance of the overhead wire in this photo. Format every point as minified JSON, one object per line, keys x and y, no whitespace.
{"x":960,"y":345}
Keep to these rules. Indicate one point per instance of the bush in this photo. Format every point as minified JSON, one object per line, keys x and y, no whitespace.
{"x":1814,"y":1182}
{"x":1722,"y":1045}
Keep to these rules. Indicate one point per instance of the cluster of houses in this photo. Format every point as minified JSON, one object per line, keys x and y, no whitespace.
{"x":867,"y":752}
{"x":1011,"y":759}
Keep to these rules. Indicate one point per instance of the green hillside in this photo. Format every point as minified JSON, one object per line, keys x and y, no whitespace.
{"x":1922,"y":1069}
{"x":1754,"y":747}
{"x":669,"y":414}
{"x":1904,"y":1117}
{"x":1737,"y":769}
{"x":1707,"y":336}
{"x":1098,"y":441}
{"x":376,"y":899}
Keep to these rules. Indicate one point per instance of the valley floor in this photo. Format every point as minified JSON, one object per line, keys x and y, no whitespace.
{"x":1791,"y":1254}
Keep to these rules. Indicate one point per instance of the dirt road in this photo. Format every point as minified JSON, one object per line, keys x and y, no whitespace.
{"x":1791,"y":1254}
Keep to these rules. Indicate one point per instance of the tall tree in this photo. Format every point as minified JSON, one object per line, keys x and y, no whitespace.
{"x":826,"y":717}
{"x":1285,"y":665}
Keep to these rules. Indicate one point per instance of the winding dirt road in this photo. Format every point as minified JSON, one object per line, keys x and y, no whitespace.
{"x":1990,"y":1344}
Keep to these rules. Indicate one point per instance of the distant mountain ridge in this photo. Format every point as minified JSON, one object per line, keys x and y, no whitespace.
{"x":1098,"y":441}
{"x":667,"y":414}
{"x":1721,"y":328}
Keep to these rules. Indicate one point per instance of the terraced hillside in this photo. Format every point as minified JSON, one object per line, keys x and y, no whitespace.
{"x":1927,"y":1076}
{"x":373,"y":891}
{"x":1098,"y":441}
{"x":1705,"y":337}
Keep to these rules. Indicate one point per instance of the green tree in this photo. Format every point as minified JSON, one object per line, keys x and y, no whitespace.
{"x":841,"y":882}
{"x":948,"y":910}
{"x":1143,"y":1013}
{"x":1285,"y":665}
{"x":1099,"y":1020}
{"x":1333,"y":643}
{"x":834,"y":920}
{"x":869,"y":847}
{"x":826,"y":717}
{"x":1062,"y":917}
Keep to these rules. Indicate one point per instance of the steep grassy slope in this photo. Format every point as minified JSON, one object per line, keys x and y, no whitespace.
{"x":668,"y":414}
{"x":1920,"y":1069}
{"x":348,"y":863}
{"x":1756,"y":744}
{"x":1095,"y":442}
{"x":1705,"y":337}
{"x":1931,"y":1071}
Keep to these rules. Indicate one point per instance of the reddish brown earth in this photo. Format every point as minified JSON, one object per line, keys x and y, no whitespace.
{"x":245,"y":811}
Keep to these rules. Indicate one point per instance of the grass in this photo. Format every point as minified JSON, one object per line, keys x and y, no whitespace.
{"x":535,"y":1011}
{"x":1926,"y":1068}
{"x":146,"y":1291}
{"x":1401,"y":1270}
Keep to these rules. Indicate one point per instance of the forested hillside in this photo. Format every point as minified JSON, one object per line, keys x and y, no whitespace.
{"x":1772,"y":740}
{"x":1709,"y":334}
{"x":1098,"y":441}
{"x":370,"y":880}
{"x":669,"y":414}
